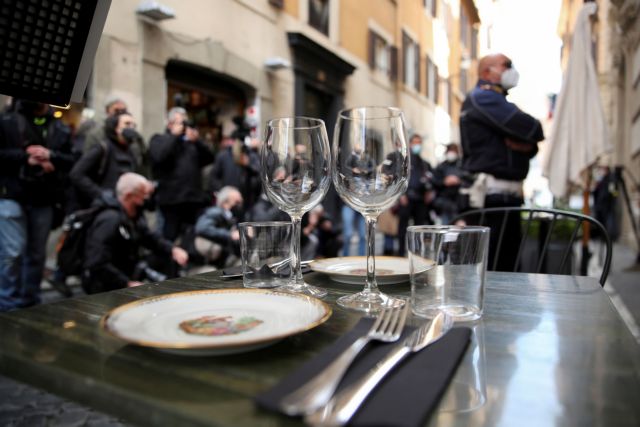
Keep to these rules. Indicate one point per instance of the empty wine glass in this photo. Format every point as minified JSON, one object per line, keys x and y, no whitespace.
{"x":296,"y":162}
{"x":370,"y":167}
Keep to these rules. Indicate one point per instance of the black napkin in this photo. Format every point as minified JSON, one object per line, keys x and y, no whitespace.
{"x":284,"y":272}
{"x":406,"y":397}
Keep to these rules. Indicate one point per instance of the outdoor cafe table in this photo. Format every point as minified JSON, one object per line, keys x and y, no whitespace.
{"x":553,"y":351}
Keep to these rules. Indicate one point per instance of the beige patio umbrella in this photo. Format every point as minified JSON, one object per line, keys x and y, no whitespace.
{"x":579,"y":134}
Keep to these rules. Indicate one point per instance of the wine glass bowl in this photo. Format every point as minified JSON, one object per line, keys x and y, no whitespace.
{"x":370,"y":164}
{"x":295,"y":173}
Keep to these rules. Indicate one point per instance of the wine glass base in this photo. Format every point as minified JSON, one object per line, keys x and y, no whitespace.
{"x":369,"y":302}
{"x":305,"y":289}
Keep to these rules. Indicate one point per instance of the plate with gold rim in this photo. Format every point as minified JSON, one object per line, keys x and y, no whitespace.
{"x":214,"y":322}
{"x":353,"y":269}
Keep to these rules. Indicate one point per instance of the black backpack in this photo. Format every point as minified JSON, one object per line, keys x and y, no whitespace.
{"x":71,"y":246}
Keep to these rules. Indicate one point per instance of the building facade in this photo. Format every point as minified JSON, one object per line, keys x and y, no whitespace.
{"x":271,"y":58}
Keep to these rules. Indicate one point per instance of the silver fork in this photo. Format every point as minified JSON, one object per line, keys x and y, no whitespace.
{"x":345,"y":404}
{"x":318,"y":391}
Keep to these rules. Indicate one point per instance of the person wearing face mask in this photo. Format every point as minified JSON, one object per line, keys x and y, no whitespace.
{"x":447,"y":179}
{"x":498,"y":141}
{"x":102,"y":164}
{"x":416,"y":202}
{"x":217,"y":237}
{"x":117,"y":234}
{"x":114,"y":105}
{"x":35,"y":157}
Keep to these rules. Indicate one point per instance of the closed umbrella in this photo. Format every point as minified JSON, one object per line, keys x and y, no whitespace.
{"x":579,"y":132}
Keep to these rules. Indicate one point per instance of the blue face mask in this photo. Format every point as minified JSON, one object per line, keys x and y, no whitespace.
{"x":416,"y":149}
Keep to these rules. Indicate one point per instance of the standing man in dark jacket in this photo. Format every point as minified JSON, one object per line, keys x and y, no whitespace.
{"x":177,"y":158}
{"x":447,"y":179}
{"x":415,"y":203}
{"x":116,"y":235}
{"x":35,"y":156}
{"x":498,"y":140}
{"x":102,"y":163}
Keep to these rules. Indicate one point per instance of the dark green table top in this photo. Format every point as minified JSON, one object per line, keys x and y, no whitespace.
{"x":550,"y":350}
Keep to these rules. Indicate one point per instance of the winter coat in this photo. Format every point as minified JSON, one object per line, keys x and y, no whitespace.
{"x":177,"y":166}
{"x":27,"y":183}
{"x":487,"y":119}
{"x":113,"y":243}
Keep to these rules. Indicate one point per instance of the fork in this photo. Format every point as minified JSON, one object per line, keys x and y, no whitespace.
{"x":318,"y":391}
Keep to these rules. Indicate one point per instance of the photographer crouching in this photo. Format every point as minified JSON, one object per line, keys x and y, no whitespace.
{"x":114,"y":239}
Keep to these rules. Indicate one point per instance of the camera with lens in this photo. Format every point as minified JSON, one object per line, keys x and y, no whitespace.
{"x":143,"y":272}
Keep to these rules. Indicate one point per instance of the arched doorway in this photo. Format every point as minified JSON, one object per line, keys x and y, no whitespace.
{"x":211,"y":99}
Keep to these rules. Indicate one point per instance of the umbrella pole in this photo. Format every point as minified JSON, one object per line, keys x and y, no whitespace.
{"x":586,"y":230}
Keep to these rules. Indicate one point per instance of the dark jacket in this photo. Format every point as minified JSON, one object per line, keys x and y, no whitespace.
{"x":176,"y":165}
{"x":486,"y":120}
{"x":113,"y":245}
{"x":246,"y":179}
{"x":19,"y":180}
{"x":215,"y":225}
{"x":444,"y":170}
{"x":420,"y":177}
{"x":94,"y":172}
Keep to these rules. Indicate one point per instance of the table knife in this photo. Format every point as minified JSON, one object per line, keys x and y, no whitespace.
{"x":345,"y":403}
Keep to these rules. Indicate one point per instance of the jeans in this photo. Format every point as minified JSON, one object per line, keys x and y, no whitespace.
{"x":23,"y":239}
{"x":349,"y":216}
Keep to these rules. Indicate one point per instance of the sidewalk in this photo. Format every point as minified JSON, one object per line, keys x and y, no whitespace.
{"x":623,"y":287}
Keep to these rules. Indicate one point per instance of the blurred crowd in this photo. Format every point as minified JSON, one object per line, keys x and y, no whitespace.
{"x":101,"y":181}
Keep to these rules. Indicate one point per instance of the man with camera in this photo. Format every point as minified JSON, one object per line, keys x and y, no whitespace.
{"x":177,"y":158}
{"x":116,"y":235}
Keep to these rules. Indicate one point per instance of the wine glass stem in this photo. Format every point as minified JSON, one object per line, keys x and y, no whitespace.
{"x":296,"y":272}
{"x":372,"y":286}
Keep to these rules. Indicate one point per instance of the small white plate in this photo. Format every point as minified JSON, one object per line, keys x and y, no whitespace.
{"x":353,"y":270}
{"x":215,"y":322}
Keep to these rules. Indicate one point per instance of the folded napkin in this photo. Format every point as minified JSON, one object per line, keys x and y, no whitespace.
{"x":284,"y":272}
{"x":406,"y":397}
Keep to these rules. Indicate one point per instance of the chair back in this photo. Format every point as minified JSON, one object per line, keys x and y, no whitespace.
{"x":546,"y":241}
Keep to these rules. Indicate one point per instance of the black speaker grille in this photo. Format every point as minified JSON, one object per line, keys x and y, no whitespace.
{"x":41,"y":46}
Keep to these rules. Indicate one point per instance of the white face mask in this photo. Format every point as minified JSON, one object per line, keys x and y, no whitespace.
{"x":509,"y":78}
{"x":451,"y":157}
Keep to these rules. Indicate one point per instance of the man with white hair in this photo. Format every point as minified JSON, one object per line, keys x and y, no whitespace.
{"x":217,"y":236}
{"x":112,"y":252}
{"x":177,"y":158}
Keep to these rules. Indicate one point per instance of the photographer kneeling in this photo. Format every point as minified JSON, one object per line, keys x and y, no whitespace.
{"x":116,"y":234}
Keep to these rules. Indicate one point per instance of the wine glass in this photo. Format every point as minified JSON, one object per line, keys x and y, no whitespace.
{"x":370,"y":167}
{"x":296,"y":163}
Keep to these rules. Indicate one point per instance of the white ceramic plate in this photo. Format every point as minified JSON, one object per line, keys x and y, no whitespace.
{"x":215,"y":322}
{"x":353,"y":270}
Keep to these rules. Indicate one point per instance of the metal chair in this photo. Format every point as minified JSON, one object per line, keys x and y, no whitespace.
{"x":542,"y":233}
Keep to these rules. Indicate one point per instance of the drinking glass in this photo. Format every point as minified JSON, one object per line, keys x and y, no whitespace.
{"x":296,"y":163}
{"x":370,"y":167}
